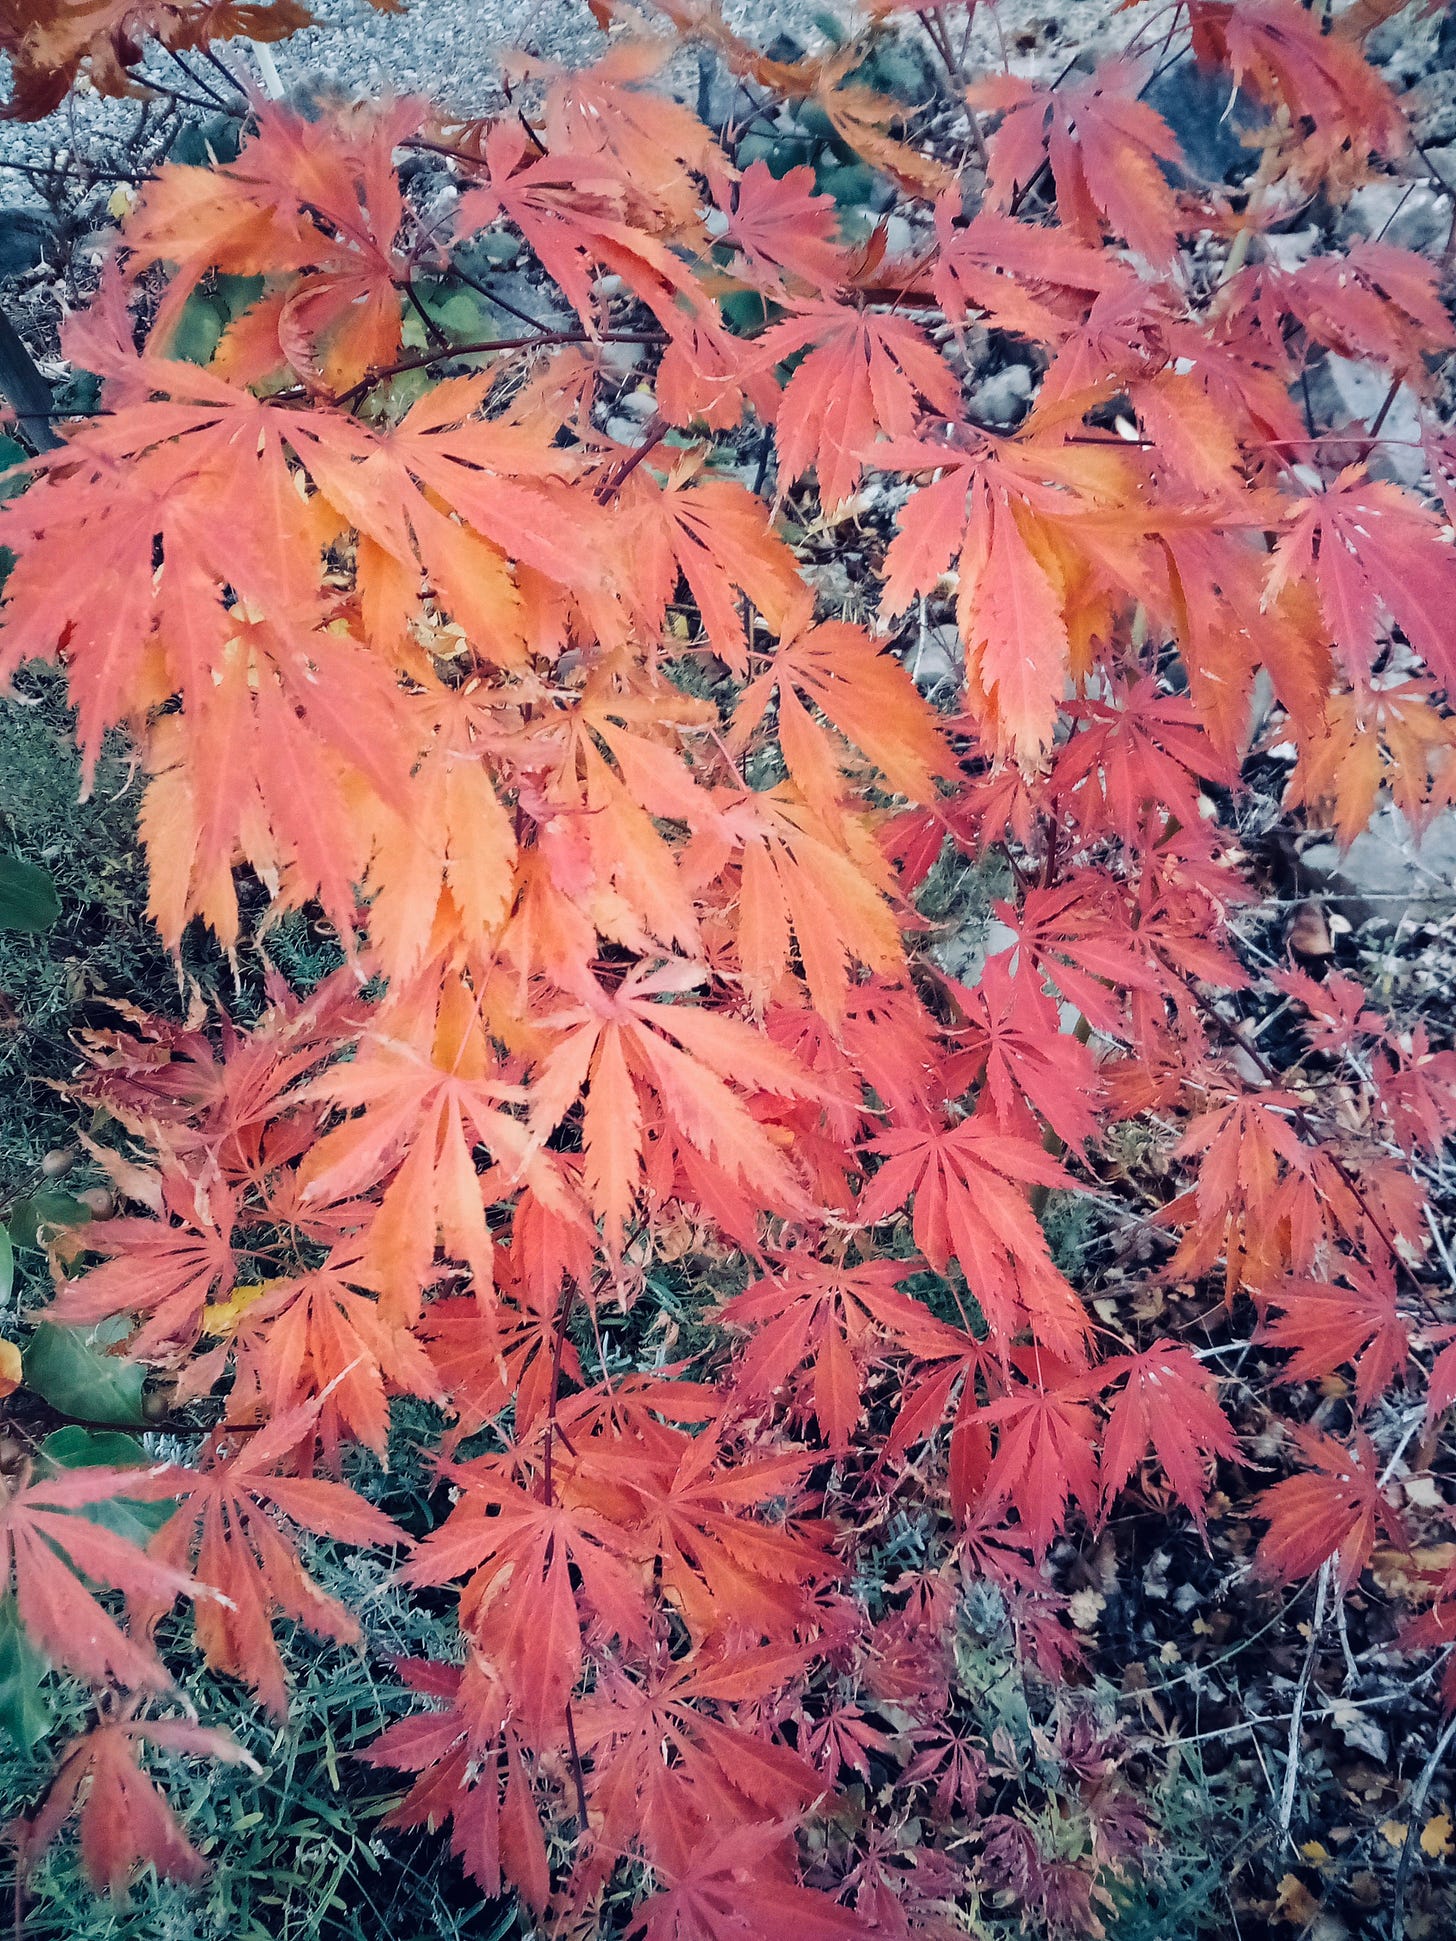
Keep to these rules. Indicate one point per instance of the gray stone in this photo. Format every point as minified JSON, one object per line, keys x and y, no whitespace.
{"x":1388,"y":874}
{"x":1003,"y":397}
{"x":1349,"y":394}
{"x":1208,"y":117}
{"x":25,"y":240}
{"x":1404,"y":214}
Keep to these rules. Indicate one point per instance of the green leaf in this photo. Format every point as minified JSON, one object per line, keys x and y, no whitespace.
{"x":25,"y":1713}
{"x":13,"y":454}
{"x":76,"y":1448}
{"x":235,"y":294}
{"x":463,"y":314}
{"x":814,"y":121}
{"x":197,"y":330}
{"x":207,"y":314}
{"x":900,"y":69}
{"x":755,"y":148}
{"x":7,"y":1266}
{"x":79,"y":395}
{"x":71,"y":1370}
{"x":853,"y":187}
{"x":490,"y":250}
{"x":744,"y":311}
{"x":28,"y":899}
{"x":37,"y":1221}
{"x":200,"y":145}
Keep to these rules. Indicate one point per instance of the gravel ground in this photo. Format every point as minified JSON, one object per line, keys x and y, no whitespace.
{"x":445,"y":49}
{"x":449,"y":50}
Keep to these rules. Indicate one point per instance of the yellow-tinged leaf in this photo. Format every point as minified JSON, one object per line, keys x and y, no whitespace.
{"x":863,"y":121}
{"x":221,"y":1317}
{"x":1294,"y":1902}
{"x":1436,"y":1841}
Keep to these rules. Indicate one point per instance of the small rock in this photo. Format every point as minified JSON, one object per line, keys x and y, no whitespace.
{"x":899,"y":238}
{"x":1360,"y":1731}
{"x":1404,"y":878}
{"x":1002,"y":398}
{"x":1405,"y":215}
{"x":25,"y":240}
{"x":1349,"y":393}
{"x":934,"y":657}
{"x":1293,"y":247}
{"x":1085,"y":1607}
{"x":1208,"y":119}
{"x":1155,"y":1575}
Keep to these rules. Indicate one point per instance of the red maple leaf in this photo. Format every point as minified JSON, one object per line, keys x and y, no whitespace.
{"x":673,"y":1762}
{"x":1076,"y":937}
{"x":727,"y":1573}
{"x":229,"y":1533}
{"x":1033,"y":279}
{"x":839,"y":1319}
{"x":520,"y":1555}
{"x":1335,"y":1509}
{"x":969,"y":1188}
{"x":1321,"y":79}
{"x":1370,"y":546}
{"x":1169,"y":1404}
{"x":1105,"y":147}
{"x":731,"y":1890}
{"x":166,"y":1272}
{"x":785,"y":229}
{"x":618,"y":1049}
{"x":1327,"y":1326}
{"x":47,"y":1550}
{"x":470,"y":1772}
{"x":1046,"y":1448}
{"x":1013,"y":1044}
{"x":863,"y":377}
{"x":124,"y":1819}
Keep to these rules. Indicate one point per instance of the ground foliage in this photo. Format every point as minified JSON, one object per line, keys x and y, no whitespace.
{"x":575,"y":561}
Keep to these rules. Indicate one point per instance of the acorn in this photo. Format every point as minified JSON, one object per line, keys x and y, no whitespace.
{"x":98,"y":1201}
{"x":58,"y":1161}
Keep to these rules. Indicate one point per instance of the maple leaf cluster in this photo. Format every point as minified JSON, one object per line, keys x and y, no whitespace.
{"x":50,"y":44}
{"x":620,"y":822}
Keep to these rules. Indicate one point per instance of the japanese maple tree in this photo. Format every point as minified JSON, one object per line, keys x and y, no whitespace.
{"x":518,"y":654}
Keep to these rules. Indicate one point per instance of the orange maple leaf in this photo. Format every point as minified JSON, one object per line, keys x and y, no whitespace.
{"x":1104,"y":146}
{"x":228,"y":1533}
{"x":864,"y":375}
{"x":47,"y":1550}
{"x":613,"y":1048}
{"x":124,"y":1819}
